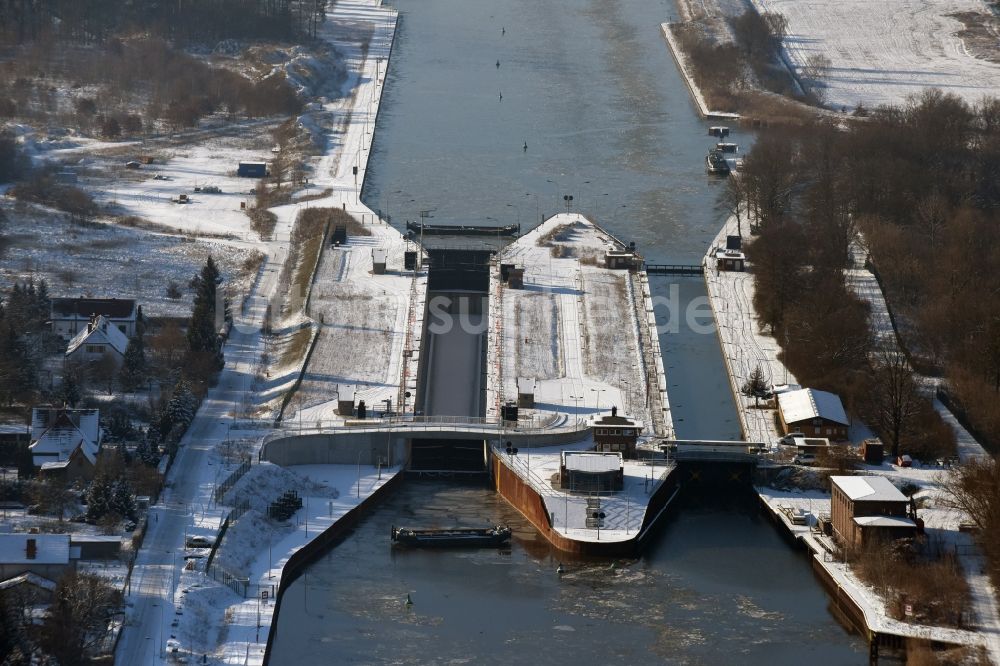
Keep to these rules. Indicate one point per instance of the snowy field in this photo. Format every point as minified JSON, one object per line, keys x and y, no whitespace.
{"x":536,"y":312}
{"x":108,"y":261}
{"x":362,"y":319}
{"x":882,"y":52}
{"x":211,"y":163}
{"x":573,"y":327}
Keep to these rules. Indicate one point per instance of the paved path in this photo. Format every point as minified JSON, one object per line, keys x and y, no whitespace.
{"x":189,"y":484}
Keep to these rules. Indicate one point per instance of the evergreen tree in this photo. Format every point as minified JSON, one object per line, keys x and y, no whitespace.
{"x":146,"y":453}
{"x":18,"y":366}
{"x":99,"y":497}
{"x":122,"y":498}
{"x":133,"y":370}
{"x":140,"y":324}
{"x":68,"y":392}
{"x":202,"y":334}
{"x":179,"y":412}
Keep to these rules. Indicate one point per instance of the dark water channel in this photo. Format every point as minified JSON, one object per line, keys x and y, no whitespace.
{"x":591,"y":89}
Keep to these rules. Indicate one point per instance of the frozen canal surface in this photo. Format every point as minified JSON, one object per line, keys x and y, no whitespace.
{"x":590,"y":87}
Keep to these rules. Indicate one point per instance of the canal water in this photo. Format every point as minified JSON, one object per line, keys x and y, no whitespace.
{"x":590,"y":87}
{"x":719,"y":586}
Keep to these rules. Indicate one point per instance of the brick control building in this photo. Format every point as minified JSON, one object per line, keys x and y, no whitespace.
{"x":614,"y":434}
{"x":866,"y":507}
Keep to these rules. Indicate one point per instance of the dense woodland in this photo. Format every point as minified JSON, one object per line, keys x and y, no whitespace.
{"x":94,"y":21}
{"x":123,"y":68}
{"x":919,"y":185}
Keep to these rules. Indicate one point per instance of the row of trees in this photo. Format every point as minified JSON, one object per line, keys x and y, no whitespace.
{"x":139,"y":73}
{"x":24,"y":313}
{"x":95,"y":21}
{"x":917,"y":186}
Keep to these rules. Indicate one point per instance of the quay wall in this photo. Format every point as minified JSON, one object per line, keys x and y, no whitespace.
{"x":529,"y":503}
{"x":318,"y":547}
{"x":681,"y":61}
{"x":849,"y":608}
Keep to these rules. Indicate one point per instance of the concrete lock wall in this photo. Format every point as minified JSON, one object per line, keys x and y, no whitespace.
{"x":340,"y":449}
{"x":344,"y":448}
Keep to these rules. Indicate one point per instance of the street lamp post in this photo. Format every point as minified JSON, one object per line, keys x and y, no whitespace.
{"x":359,"y":474}
{"x":538,"y":205}
{"x":576,"y":407}
{"x":597,"y":404}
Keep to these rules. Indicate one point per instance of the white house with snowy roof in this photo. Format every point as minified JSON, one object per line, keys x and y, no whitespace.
{"x":98,"y":340}
{"x":65,"y":442}
{"x":813,"y":413}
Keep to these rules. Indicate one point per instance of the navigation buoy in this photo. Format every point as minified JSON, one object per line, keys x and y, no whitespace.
{"x":525,"y":146}
{"x":501,"y":96}
{"x":409,"y":601}
{"x":503,"y":31}
{"x":498,"y":64}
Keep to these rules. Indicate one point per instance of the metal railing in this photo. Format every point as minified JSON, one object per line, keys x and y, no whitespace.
{"x":492,"y":426}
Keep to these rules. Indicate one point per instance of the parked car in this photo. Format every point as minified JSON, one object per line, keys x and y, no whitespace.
{"x":805,"y":459}
{"x":199,"y":542}
{"x":789,"y":439}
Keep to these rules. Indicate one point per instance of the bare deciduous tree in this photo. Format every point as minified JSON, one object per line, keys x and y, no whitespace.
{"x":79,"y":618}
{"x":894,"y":396}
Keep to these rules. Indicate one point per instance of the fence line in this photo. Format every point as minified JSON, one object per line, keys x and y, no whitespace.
{"x":231,"y":480}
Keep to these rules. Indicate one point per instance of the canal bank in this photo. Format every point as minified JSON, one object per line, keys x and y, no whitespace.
{"x":642,"y":146}
{"x":796,"y":513}
{"x":684,"y":67}
{"x":691,"y":598}
{"x":281,"y":574}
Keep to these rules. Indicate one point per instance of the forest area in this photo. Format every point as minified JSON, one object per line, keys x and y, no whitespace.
{"x":127,"y":68}
{"x":96,"y":21}
{"x":918,"y":188}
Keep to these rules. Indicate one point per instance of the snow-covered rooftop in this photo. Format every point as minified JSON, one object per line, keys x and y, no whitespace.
{"x":807,"y":404}
{"x":32,"y":578}
{"x":50,"y":549}
{"x":591,"y":462}
{"x":100,"y":332}
{"x":884,"y":521}
{"x":65,"y":434}
{"x":868,"y":488}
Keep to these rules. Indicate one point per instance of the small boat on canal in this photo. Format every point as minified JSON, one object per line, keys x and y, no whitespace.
{"x":716,"y":163}
{"x":457,"y":537}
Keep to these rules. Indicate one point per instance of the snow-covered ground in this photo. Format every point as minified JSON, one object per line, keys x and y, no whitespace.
{"x":209,"y":163}
{"x":882,"y":52}
{"x":744,"y":346}
{"x":624,"y":510}
{"x":573,"y":327}
{"x":110,"y":261}
{"x":362,"y":319}
{"x":187,"y":505}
